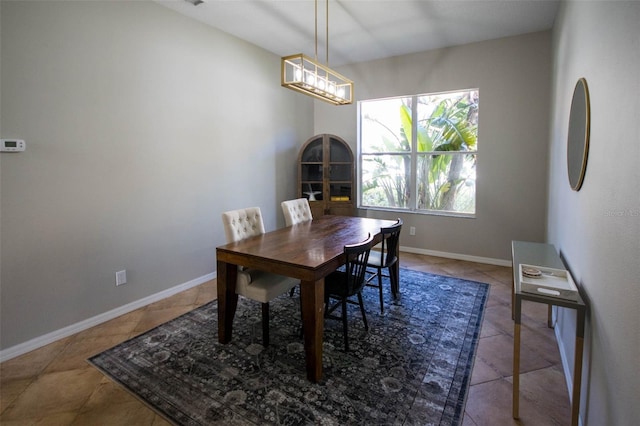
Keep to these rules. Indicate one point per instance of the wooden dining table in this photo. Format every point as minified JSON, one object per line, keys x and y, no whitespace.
{"x":308,"y":251}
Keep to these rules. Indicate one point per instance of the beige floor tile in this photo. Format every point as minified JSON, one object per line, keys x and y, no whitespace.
{"x":154,"y":317}
{"x":54,"y":393}
{"x":500,"y":295}
{"x":534,"y":314}
{"x":110,"y":404}
{"x":457,"y":267}
{"x":106,"y":393}
{"x":549,"y":382}
{"x":55,"y":386}
{"x":207,"y":292}
{"x":121,"y":325}
{"x":75,"y":354}
{"x":497,"y":352}
{"x":486,"y":277}
{"x":488,"y":330}
{"x":55,"y":419}
{"x":467,"y":421}
{"x":32,"y":363}
{"x":490,"y":404}
{"x":502,"y":275}
{"x":483,"y":372}
{"x":543,"y":340}
{"x":10,"y":389}
{"x":473,"y":275}
{"x":160,"y":421}
{"x":499,"y":317}
{"x":185,"y":298}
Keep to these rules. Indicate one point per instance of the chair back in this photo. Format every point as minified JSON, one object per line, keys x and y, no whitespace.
{"x":296,"y":211}
{"x":357,"y":256}
{"x":390,"y":240}
{"x":242,"y":223}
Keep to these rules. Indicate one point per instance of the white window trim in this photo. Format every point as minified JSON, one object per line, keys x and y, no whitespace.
{"x":414,"y":164}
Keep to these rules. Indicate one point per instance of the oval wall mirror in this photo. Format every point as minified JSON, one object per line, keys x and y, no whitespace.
{"x":578,"y":139}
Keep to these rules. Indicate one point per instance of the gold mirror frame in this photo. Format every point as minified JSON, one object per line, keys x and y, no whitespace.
{"x":578,"y":138}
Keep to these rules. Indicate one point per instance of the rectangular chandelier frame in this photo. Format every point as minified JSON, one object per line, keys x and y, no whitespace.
{"x":308,"y":76}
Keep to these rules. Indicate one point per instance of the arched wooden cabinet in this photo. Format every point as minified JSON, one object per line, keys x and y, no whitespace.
{"x":326,"y":175}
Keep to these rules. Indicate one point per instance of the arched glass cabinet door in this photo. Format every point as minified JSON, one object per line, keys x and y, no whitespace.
{"x":340,"y":170}
{"x":326,"y":175}
{"x":578,"y":137}
{"x":311,"y":170}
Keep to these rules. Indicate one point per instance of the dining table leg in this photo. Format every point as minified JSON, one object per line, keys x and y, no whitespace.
{"x":312,"y":303}
{"x":227,"y":299}
{"x":395,"y":280}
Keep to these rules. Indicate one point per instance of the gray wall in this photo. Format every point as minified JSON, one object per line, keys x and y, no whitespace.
{"x":598,"y":228}
{"x":513,"y":75}
{"x":142,"y":126}
{"x":137,"y":141}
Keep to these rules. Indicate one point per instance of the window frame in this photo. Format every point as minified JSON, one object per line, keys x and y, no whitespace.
{"x":414,"y":154}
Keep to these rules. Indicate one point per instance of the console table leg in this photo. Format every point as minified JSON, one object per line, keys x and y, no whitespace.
{"x":577,"y":377}
{"x":513,"y":297}
{"x":516,"y":369}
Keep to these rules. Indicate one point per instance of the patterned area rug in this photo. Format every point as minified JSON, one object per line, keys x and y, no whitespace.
{"x":412,"y":367}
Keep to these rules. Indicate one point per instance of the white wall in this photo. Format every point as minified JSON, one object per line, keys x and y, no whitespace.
{"x":513,"y":75}
{"x":141,"y":126}
{"x":598,"y":228}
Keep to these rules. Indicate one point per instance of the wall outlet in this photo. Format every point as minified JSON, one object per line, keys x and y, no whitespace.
{"x":121,"y":277}
{"x":412,"y":230}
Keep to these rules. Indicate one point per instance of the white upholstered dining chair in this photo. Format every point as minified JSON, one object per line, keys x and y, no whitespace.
{"x":296,"y":211}
{"x":254,"y":284}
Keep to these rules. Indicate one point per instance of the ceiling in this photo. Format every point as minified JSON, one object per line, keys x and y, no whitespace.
{"x":363,"y":30}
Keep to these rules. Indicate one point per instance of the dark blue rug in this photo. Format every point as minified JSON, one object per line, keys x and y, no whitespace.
{"x":412,"y":367}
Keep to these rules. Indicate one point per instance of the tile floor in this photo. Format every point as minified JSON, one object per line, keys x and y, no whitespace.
{"x":54,"y":385}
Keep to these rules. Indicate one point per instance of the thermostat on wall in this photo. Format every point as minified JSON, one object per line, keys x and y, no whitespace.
{"x":12,"y":145}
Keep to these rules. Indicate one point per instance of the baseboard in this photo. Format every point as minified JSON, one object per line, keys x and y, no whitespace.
{"x":48,"y":338}
{"x":457,"y":256}
{"x":565,"y":362}
{"x":566,"y":368}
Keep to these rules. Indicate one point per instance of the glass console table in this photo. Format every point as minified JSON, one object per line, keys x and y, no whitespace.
{"x":543,"y":255}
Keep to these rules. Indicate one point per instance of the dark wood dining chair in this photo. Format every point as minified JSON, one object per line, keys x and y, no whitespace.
{"x":340,"y":285}
{"x":387,"y":257}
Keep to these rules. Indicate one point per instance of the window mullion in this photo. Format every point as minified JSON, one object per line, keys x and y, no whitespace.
{"x":413,"y":199}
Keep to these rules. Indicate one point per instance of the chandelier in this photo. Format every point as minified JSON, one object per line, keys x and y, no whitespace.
{"x":309,"y":76}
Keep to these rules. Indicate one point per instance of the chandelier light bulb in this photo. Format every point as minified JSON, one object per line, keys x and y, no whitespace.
{"x":311,"y":79}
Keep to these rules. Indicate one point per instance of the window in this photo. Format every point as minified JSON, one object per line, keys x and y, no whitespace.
{"x":418,"y":153}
